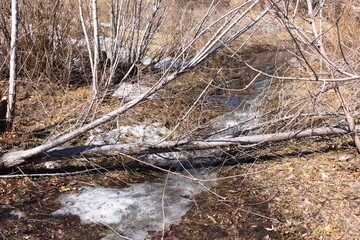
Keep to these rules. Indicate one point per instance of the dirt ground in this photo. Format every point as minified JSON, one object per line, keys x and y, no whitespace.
{"x":311,"y":195}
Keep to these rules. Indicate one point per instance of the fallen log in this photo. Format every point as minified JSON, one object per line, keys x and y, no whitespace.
{"x":12,"y":159}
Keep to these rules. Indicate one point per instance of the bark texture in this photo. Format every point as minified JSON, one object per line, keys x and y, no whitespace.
{"x":13,"y":65}
{"x":3,"y":109}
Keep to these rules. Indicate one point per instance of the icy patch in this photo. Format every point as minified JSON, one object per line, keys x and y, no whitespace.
{"x":262,"y":84}
{"x":237,"y":121}
{"x":137,"y":209}
{"x":51,"y":165}
{"x":130,"y":91}
{"x":150,"y":133}
{"x":147,"y":61}
{"x":17,"y":213}
{"x":110,"y":46}
{"x":168,"y":62}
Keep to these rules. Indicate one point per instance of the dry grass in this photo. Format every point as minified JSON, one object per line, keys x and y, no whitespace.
{"x":316,"y":194}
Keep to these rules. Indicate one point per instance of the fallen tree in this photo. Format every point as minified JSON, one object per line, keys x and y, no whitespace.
{"x":93,"y":151}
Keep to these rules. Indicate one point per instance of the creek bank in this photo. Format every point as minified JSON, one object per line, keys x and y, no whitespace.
{"x":138,"y":209}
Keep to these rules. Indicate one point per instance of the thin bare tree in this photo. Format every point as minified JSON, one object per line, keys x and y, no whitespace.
{"x":95,"y":81}
{"x":13,"y":65}
{"x":319,"y":49}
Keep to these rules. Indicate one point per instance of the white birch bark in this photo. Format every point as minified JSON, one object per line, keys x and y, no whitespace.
{"x":13,"y":65}
{"x":83,"y":24}
{"x":95,"y":81}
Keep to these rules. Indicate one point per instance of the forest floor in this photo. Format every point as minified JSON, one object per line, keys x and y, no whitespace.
{"x":292,"y":193}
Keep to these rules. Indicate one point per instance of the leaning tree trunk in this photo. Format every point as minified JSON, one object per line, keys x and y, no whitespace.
{"x":13,"y":65}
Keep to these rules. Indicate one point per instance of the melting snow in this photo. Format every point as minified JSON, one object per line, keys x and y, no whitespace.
{"x":167,"y":63}
{"x":130,"y":91}
{"x":137,"y":209}
{"x":17,"y":213}
{"x":51,"y":165}
{"x":150,"y":133}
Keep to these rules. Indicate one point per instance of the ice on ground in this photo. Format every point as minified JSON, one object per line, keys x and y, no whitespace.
{"x":130,"y":91}
{"x":143,"y":133}
{"x":168,"y":62}
{"x":236,"y":121}
{"x":52,"y":165}
{"x":137,"y":209}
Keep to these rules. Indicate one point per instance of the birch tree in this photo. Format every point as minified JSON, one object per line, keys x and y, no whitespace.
{"x":13,"y":65}
{"x":95,"y":81}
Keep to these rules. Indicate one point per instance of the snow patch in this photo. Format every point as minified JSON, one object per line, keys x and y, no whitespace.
{"x":168,"y":62}
{"x":51,"y":165}
{"x":150,"y":133}
{"x":137,"y":209}
{"x":130,"y":91}
{"x":17,"y":213}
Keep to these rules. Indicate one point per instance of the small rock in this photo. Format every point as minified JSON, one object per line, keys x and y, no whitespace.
{"x":344,"y":158}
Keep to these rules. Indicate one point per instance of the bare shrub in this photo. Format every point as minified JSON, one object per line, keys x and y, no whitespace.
{"x":46,"y":33}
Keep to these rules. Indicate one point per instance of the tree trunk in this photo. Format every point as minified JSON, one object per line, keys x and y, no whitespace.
{"x":16,"y":158}
{"x":95,"y":81}
{"x":13,"y":67}
{"x":3,"y":109}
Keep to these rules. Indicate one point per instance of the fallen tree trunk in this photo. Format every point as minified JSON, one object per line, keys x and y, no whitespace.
{"x":91,"y":151}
